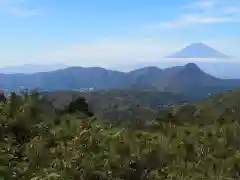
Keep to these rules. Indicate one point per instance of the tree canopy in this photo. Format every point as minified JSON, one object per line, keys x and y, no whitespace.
{"x":178,"y":145}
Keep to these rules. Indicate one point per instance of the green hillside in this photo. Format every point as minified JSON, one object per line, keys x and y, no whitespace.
{"x":120,"y":104}
{"x":224,"y":106}
{"x":179,"y":144}
{"x":123,"y":104}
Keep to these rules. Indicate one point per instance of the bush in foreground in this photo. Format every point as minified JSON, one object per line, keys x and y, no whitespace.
{"x":33,"y":146}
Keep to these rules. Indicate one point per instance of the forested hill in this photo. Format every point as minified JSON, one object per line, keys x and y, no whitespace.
{"x":124,"y":104}
{"x":188,"y":79}
{"x":221,"y":107}
{"x":119,"y":104}
{"x":193,"y":141}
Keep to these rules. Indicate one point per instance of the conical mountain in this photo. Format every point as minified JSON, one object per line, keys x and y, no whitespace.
{"x":199,"y":50}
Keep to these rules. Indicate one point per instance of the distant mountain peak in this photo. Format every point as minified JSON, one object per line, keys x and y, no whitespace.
{"x":197,"y":44}
{"x":198,"y":50}
{"x":192,"y":66}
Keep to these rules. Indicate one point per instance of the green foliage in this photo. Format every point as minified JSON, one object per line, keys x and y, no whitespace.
{"x":78,"y":105}
{"x":117,"y":105}
{"x":180,"y":144}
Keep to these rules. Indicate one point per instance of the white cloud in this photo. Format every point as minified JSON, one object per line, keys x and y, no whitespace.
{"x":231,"y":10}
{"x":20,"y":12}
{"x":16,"y":8}
{"x":204,"y":12}
{"x":116,"y":53}
{"x":113,"y":52}
{"x":202,"y":5}
{"x":193,"y":19}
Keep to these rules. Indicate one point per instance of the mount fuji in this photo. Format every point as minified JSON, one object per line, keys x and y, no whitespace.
{"x":198,"y":50}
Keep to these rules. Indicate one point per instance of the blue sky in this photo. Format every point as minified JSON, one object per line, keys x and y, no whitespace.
{"x":112,"y":32}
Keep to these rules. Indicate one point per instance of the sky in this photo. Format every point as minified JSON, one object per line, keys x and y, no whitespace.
{"x":113,"y":32}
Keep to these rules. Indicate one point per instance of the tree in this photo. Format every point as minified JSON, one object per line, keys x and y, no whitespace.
{"x":78,"y":105}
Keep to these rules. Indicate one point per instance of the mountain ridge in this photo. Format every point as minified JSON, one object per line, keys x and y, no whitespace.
{"x":31,"y":68}
{"x":188,"y":79}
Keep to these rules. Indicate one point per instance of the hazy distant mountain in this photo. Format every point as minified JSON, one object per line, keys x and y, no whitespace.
{"x":188,"y":79}
{"x":140,"y":77}
{"x":31,"y":68}
{"x":222,"y":69}
{"x":198,"y":50}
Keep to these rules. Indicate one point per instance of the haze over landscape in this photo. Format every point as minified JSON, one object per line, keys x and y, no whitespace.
{"x":63,"y":46}
{"x":115,"y":37}
{"x":119,"y":90}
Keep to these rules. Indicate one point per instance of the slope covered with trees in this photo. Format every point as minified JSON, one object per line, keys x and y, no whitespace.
{"x":182,"y":142}
{"x":119,"y":104}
